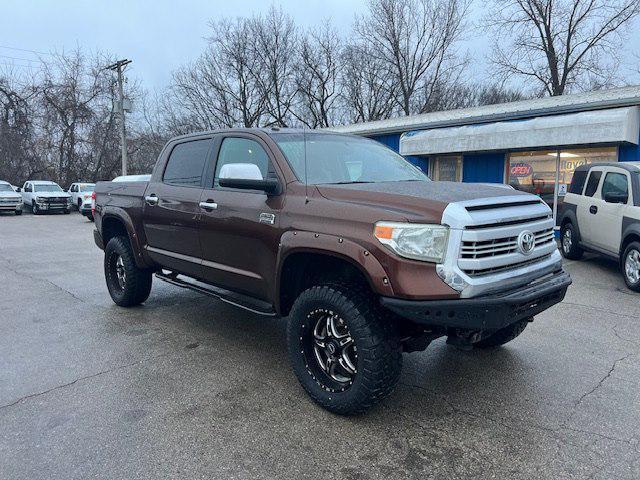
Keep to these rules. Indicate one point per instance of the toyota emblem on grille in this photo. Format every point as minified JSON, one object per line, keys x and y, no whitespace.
{"x":526,"y":242}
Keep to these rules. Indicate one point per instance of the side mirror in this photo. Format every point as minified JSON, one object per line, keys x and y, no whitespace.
{"x":271,"y":186}
{"x":18,"y":189}
{"x":616,"y":197}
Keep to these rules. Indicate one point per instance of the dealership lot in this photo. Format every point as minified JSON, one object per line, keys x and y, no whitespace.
{"x":187,"y":387}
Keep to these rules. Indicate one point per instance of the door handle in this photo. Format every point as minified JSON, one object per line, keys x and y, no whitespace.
{"x":593,"y":209}
{"x":208,"y":205}
{"x":151,"y":199}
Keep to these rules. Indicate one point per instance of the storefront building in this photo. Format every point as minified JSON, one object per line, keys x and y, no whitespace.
{"x":533,"y":145}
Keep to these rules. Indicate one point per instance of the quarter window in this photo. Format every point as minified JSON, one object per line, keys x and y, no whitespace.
{"x":186,"y":163}
{"x":615,"y":183}
{"x":592,"y":184}
{"x":577,"y":183}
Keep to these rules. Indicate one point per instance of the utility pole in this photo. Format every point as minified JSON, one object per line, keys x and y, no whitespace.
{"x":119,"y":67}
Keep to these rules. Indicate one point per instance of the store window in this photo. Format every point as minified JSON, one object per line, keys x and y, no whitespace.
{"x":535,"y":171}
{"x":447,"y":169}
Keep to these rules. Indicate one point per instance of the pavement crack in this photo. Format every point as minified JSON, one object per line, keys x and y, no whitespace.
{"x":602,"y":380}
{"x":41,"y":279}
{"x":80,"y":379}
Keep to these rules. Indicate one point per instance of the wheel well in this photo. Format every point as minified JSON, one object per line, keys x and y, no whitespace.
{"x":112,"y":227}
{"x":632,"y":237}
{"x":303,"y":270}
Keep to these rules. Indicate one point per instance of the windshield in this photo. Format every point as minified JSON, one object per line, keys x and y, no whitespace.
{"x":87,"y":187}
{"x":5,"y":188}
{"x":344,"y":159}
{"x":49,"y":187}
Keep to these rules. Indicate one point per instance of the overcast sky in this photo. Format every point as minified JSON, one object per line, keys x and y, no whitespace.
{"x":161,"y":35}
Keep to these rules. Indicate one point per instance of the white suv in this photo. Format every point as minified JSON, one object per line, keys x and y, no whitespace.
{"x":601,"y":213}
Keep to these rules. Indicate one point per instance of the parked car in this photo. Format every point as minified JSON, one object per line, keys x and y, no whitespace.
{"x":365,"y":255}
{"x":601,"y":214}
{"x":43,"y":196}
{"x":10,"y":201}
{"x":81,"y":193}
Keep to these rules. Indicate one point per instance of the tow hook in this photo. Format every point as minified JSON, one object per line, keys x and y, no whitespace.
{"x":464,"y":340}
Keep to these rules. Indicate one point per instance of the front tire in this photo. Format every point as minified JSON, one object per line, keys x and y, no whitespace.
{"x":569,"y":242}
{"x":128,"y":284}
{"x":343,"y":348}
{"x":502,"y":336}
{"x":18,"y":212}
{"x":35,"y":209}
{"x":631,"y":266}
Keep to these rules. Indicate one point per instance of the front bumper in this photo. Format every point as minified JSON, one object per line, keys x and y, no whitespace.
{"x":53,"y":206}
{"x":490,"y":312}
{"x":10,"y":207}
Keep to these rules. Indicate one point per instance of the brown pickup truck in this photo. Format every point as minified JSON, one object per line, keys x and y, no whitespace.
{"x":364,"y":254}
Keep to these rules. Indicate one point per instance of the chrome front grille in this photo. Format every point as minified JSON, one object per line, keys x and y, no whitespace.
{"x":501,"y":246}
{"x":489,"y":237}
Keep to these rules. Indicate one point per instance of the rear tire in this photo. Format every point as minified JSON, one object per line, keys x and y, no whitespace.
{"x":569,"y":242}
{"x":128,"y":284}
{"x":502,"y":336}
{"x":347,"y":379}
{"x":630,"y":264}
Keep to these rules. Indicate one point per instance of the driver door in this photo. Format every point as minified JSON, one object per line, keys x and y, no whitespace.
{"x":607,"y":232}
{"x":239,"y":229}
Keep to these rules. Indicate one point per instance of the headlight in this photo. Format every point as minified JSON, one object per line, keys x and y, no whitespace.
{"x":414,"y":240}
{"x":39,"y":199}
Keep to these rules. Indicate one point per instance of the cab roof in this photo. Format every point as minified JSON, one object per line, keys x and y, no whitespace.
{"x":629,"y":166}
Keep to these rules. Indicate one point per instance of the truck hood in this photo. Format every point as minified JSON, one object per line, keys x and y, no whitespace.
{"x":425,"y":199}
{"x":51,"y":194}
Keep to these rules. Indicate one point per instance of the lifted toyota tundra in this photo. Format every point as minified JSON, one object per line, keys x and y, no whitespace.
{"x":364,"y":254}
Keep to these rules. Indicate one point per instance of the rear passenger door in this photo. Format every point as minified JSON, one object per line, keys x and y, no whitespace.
{"x":587,"y":206}
{"x":171,"y":212}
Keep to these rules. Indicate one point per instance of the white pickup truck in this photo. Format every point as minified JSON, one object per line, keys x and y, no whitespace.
{"x":10,"y":201}
{"x":42,"y":196}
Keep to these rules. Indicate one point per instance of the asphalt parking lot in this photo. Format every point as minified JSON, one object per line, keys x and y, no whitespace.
{"x":188,"y":387}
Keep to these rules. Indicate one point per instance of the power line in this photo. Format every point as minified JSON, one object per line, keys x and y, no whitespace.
{"x":22,"y":59}
{"x":25,"y":50}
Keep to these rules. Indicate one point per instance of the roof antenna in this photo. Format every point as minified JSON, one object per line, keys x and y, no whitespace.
{"x":306,"y":177}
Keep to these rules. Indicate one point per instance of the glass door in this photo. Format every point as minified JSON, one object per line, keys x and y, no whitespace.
{"x":447,"y":169}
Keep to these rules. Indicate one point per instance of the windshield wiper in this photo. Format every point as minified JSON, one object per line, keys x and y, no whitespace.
{"x":348,"y":183}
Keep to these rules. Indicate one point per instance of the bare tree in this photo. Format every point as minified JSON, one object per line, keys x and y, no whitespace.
{"x":416,"y":40}
{"x":317,"y":79}
{"x":275,"y":38}
{"x":366,"y":94}
{"x":17,"y":128}
{"x":221,"y":89}
{"x":559,"y":45}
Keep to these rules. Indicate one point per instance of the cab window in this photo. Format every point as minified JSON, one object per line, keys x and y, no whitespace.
{"x":592,"y":183}
{"x":615,"y":183}
{"x":186,"y":163}
{"x":241,"y":158}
